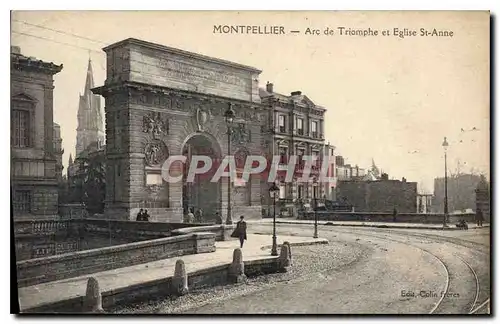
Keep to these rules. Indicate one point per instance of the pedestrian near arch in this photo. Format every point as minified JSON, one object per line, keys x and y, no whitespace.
{"x":240,"y":231}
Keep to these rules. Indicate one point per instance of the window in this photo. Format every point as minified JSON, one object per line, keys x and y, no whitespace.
{"x":314,"y":129}
{"x":300,"y":191}
{"x":283,"y":155}
{"x":317,"y":162}
{"x":22,"y":201}
{"x":300,"y":126}
{"x":315,"y":192}
{"x":281,"y":121}
{"x":300,"y":154}
{"x":20,"y":128}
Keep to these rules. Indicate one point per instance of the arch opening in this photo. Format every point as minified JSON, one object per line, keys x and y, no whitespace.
{"x":201,"y":193}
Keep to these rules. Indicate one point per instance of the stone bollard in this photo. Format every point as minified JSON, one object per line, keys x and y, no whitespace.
{"x":180,"y":279}
{"x":289,"y":251}
{"x":236,"y":271}
{"x":284,"y":258}
{"x":92,"y":302}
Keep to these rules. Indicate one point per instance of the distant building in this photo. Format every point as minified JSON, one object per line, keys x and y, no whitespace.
{"x":34,"y":157}
{"x":461,"y":193}
{"x":483,"y":198}
{"x":58,"y":152}
{"x":89,"y":137}
{"x":330,"y":187}
{"x":346,"y":172}
{"x":379,"y":196}
{"x":90,"y":120}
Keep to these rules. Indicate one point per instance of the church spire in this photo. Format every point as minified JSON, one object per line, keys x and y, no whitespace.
{"x":90,"y":118}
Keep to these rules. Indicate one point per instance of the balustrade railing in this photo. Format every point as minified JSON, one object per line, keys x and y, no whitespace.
{"x":41,"y":226}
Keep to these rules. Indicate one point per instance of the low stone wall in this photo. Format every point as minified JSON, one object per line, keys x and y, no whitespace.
{"x":385,"y":217}
{"x":125,"y":227}
{"x":56,"y":267}
{"x":162,"y":288}
{"x":42,"y":238}
{"x":222,"y":232}
{"x":134,"y":229}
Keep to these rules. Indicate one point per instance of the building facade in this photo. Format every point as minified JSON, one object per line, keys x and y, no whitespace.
{"x":90,"y":120}
{"x":461,"y":193}
{"x":379,"y":196}
{"x":33,"y":156}
{"x":58,"y":152}
{"x":162,"y":102}
{"x":296,"y":128}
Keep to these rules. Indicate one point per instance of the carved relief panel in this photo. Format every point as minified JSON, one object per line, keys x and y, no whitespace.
{"x":240,"y":134}
{"x":155,"y":125}
{"x":155,"y":153}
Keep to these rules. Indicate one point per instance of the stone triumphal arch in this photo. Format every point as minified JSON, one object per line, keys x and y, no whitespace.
{"x":161,"y":101}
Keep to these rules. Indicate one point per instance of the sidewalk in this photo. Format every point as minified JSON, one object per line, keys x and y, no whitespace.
{"x":256,"y":247}
{"x":364,"y":224}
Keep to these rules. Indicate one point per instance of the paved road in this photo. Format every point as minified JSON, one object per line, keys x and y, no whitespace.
{"x":401,"y":271}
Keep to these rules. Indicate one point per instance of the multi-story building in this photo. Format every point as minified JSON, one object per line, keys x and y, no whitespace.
{"x":33,"y":158}
{"x":297,"y":129}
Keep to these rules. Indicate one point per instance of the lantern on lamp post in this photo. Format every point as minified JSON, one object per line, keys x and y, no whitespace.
{"x":315,"y":199}
{"x":445,"y":147}
{"x":273,"y":192}
{"x":229,"y":117}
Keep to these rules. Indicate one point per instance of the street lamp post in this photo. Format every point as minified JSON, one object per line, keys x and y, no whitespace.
{"x":445,"y":147}
{"x":229,"y":116}
{"x":273,"y":191}
{"x":315,"y":209}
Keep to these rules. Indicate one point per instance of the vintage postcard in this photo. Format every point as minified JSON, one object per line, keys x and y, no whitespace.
{"x":251,"y":162}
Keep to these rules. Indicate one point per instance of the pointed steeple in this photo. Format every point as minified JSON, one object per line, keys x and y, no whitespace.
{"x":374,"y":169}
{"x":89,"y":82}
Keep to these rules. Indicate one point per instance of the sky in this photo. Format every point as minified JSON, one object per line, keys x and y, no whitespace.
{"x":389,"y":99}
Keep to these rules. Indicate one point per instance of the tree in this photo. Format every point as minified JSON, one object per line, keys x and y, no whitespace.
{"x":90,"y":181}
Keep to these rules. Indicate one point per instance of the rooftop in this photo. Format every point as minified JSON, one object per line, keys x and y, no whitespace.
{"x":155,"y":46}
{"x":296,"y":96}
{"x":20,"y":61}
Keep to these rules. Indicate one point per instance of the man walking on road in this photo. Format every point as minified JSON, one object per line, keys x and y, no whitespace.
{"x":240,"y":231}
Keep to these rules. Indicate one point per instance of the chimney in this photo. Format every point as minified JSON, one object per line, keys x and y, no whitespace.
{"x":269,"y":87}
{"x":15,"y":50}
{"x":296,"y":93}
